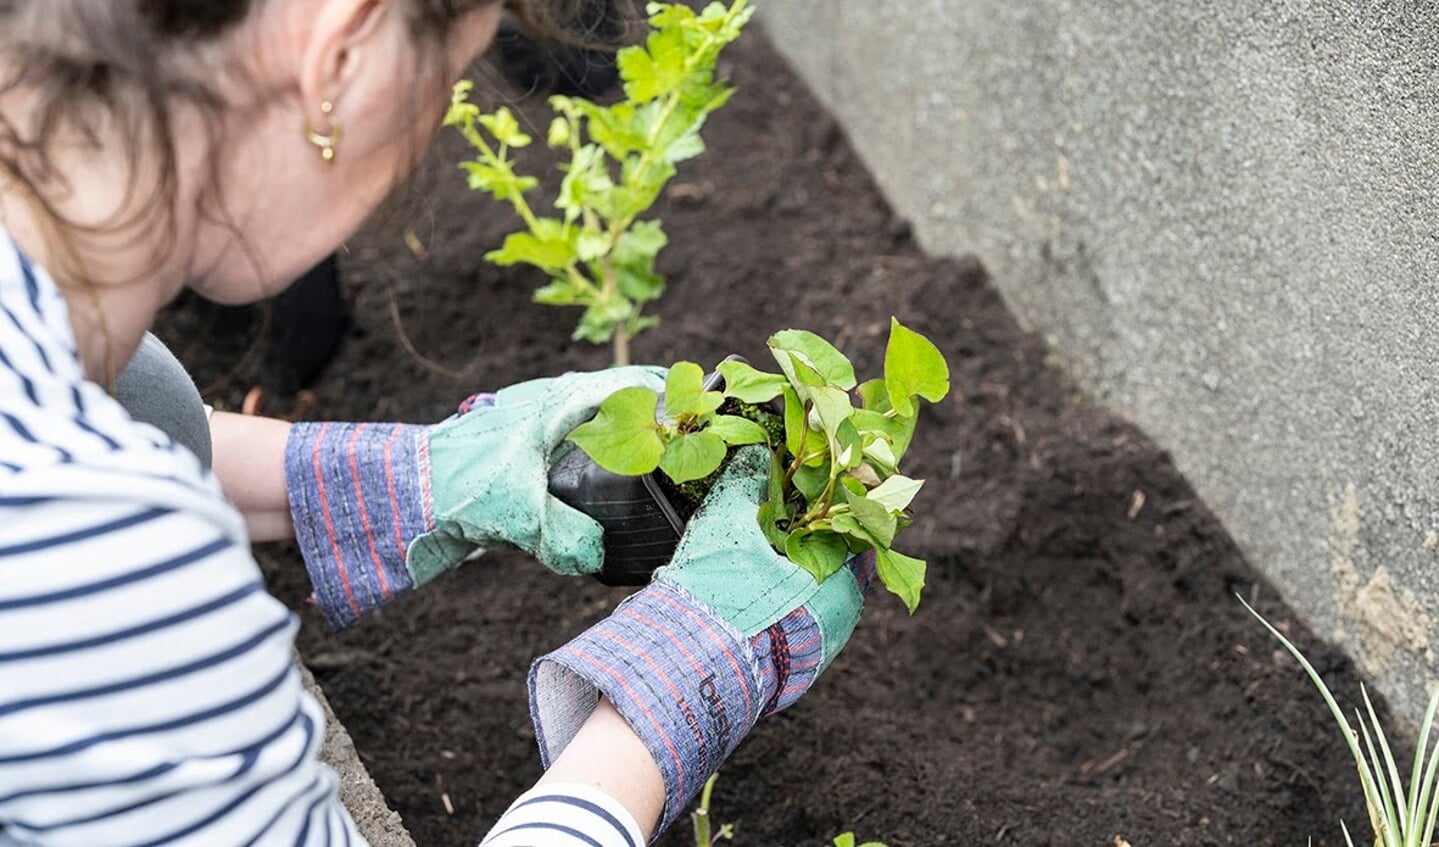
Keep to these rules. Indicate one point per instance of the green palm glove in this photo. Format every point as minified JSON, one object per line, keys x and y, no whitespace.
{"x":380,"y":509}
{"x":725,"y":562}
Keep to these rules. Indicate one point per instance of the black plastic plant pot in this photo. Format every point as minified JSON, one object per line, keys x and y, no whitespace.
{"x":642,"y":526}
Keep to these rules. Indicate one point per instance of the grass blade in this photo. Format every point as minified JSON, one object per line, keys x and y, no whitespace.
{"x":1366,"y":779}
{"x":1398,"y":814}
{"x":1380,"y":818}
{"x":1419,"y":786}
{"x":1428,"y":797}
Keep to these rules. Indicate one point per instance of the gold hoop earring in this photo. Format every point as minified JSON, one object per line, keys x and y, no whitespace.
{"x":328,"y":143}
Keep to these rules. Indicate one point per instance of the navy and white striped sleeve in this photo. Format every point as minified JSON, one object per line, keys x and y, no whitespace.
{"x":147,"y":689}
{"x":565,"y":815}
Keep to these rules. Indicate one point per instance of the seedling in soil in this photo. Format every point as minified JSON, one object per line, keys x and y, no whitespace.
{"x":847,"y":840}
{"x":705,"y":833}
{"x":836,"y":445}
{"x":1399,"y":819}
{"x":599,"y":253}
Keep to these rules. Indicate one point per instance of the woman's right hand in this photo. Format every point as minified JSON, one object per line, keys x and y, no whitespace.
{"x":381,"y":509}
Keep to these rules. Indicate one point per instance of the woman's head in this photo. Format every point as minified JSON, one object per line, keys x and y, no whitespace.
{"x":188,"y":141}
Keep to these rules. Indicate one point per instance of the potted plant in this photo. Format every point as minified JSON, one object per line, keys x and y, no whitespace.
{"x":836,"y":445}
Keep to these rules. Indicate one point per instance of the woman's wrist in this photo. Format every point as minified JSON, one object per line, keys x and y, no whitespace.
{"x":606,"y":754}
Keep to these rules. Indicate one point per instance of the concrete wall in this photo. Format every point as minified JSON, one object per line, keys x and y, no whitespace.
{"x":1223,"y":215}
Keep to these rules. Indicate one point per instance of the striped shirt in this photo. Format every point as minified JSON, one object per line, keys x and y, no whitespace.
{"x":147,"y":691}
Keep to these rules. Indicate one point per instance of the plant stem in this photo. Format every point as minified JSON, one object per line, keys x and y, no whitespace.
{"x":701,"y":815}
{"x":477,"y":140}
{"x":803,"y":436}
{"x":621,"y":346}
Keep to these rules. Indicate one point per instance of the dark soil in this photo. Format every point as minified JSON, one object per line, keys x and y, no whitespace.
{"x":1079,"y":669}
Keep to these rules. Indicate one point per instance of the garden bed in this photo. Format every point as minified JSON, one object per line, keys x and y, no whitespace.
{"x":1079,"y":669}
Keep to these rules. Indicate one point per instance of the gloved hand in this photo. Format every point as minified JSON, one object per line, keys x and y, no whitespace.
{"x":729,"y":632}
{"x":380,"y":509}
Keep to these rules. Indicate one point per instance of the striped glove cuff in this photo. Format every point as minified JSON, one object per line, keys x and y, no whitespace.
{"x":359,"y":494}
{"x":688,"y":683}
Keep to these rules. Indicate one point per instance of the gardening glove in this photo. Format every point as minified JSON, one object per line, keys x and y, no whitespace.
{"x":381,"y":509}
{"x":729,"y":632}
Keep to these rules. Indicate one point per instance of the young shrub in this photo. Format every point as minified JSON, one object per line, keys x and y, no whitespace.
{"x":598,"y":251}
{"x":836,"y":444}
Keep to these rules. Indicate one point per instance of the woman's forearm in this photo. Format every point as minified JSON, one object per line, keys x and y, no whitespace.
{"x":249,"y":460}
{"x":608,"y":755}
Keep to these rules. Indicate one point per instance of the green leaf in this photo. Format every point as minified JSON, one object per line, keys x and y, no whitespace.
{"x":599,"y":321}
{"x":590,"y":245}
{"x":503,"y":126}
{"x":901,"y":574}
{"x":685,"y":147}
{"x":748,"y":385}
{"x":769,"y":525}
{"x":461,"y":112}
{"x":812,"y":481}
{"x":623,"y":438}
{"x":561,"y":291}
{"x":586,"y":184}
{"x":817,"y":354}
{"x":850,"y":447}
{"x":560,"y":133}
{"x":802,"y":377}
{"x":639,"y":284}
{"x":881,"y":455}
{"x":776,"y":487}
{"x":875,"y":517}
{"x":833,"y":407}
{"x":873,"y":395}
{"x":737,"y":431}
{"x":641,"y":242}
{"x":913,"y":367}
{"x":668,"y":14}
{"x":685,"y":396}
{"x":897,"y":430}
{"x":896,"y":492}
{"x":684,"y":382}
{"x":820,"y":552}
{"x":634,"y":261}
{"x":849,"y":526}
{"x":499,"y":182}
{"x":694,"y":455}
{"x":553,"y":252}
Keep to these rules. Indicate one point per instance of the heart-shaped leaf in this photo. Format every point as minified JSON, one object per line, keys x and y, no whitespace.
{"x":913,"y":367}
{"x":896,"y":492}
{"x":693,"y":455}
{"x":737,"y":431}
{"x":749,"y":385}
{"x":820,"y":552}
{"x":817,"y":354}
{"x":904,"y":575}
{"x":623,"y":437}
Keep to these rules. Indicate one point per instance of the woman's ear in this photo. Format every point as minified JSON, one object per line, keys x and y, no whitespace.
{"x":342,"y":32}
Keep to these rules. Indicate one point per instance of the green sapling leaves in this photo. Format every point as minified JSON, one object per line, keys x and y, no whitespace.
{"x":835,"y":488}
{"x":600,"y":256}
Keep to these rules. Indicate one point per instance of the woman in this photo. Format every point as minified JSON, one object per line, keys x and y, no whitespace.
{"x":147,"y":694}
